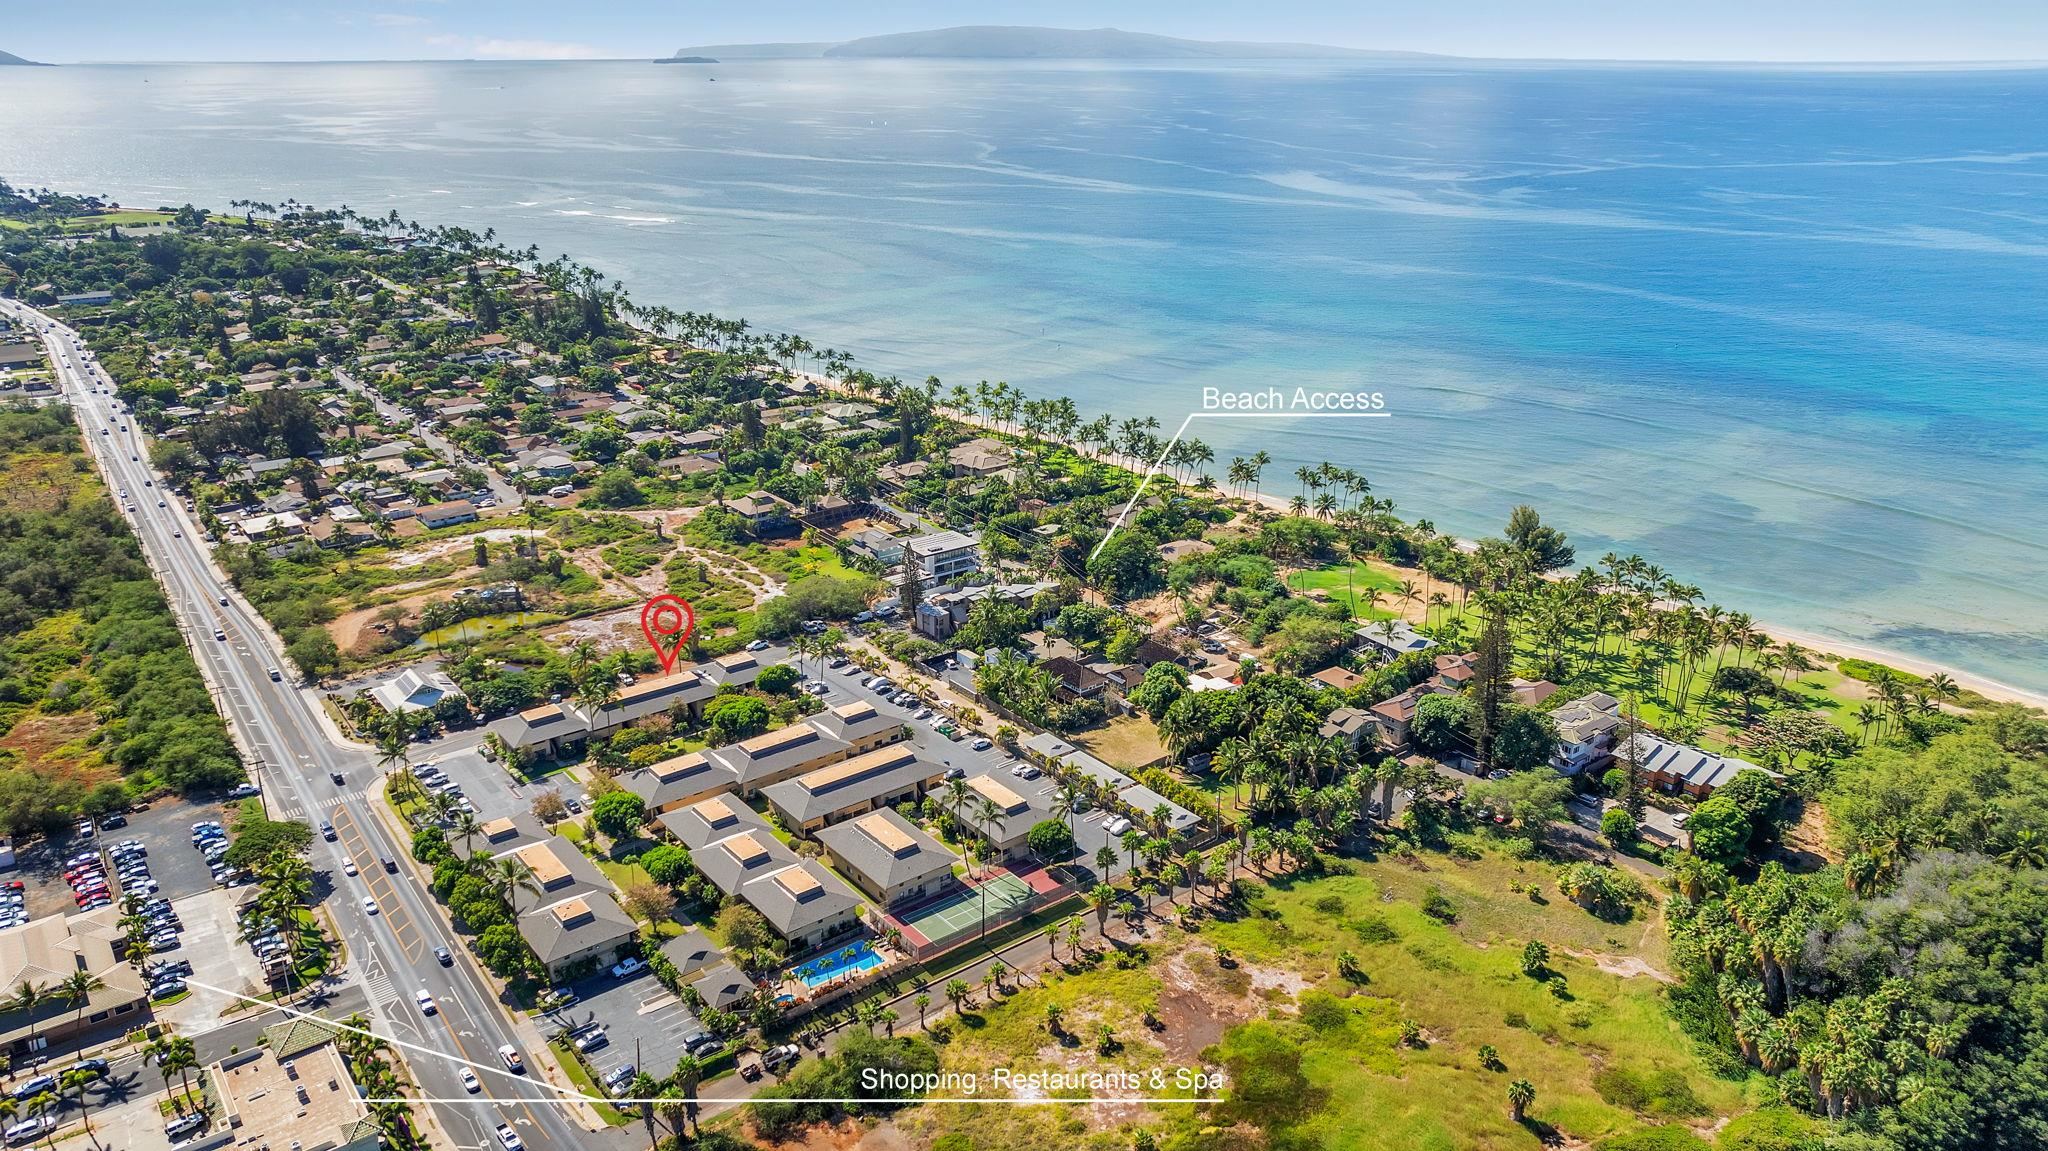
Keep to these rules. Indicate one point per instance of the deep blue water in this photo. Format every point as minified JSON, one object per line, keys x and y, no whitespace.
{"x":1782,"y":333}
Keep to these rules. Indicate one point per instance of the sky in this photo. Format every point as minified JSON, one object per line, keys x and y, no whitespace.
{"x":1736,"y":30}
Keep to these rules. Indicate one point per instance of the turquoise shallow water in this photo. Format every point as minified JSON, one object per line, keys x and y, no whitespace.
{"x":1782,"y":333}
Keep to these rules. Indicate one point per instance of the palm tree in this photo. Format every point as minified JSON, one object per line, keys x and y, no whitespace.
{"x":1105,"y":860}
{"x":957,"y":991}
{"x":26,"y":998}
{"x":41,"y":1104}
{"x":78,"y":988}
{"x":76,"y":1081}
{"x":1102,"y":895}
{"x":1068,"y":802}
{"x":642,"y":1090}
{"x":923,"y":1002}
{"x":179,"y":1055}
{"x":1521,"y":1093}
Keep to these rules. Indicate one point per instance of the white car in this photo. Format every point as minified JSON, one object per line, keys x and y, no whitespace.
{"x":628,"y":968}
{"x":369,"y":905}
{"x":1117,"y":826}
{"x":510,"y":1138}
{"x":426,"y":1002}
{"x":469,"y":1082}
{"x":348,"y":866}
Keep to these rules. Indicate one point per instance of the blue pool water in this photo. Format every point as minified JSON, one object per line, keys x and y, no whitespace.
{"x":844,"y":961}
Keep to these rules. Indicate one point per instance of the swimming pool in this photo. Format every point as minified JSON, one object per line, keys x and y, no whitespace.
{"x":846,"y":961}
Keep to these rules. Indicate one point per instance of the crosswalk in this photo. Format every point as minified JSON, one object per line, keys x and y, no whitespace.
{"x":377,"y":985}
{"x":298,"y":811}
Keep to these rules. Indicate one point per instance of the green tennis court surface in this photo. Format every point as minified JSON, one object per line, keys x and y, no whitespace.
{"x":963,"y":912}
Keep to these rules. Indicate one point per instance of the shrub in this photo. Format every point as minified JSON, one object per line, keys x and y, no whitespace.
{"x":1439,"y":906}
{"x":1049,"y":839}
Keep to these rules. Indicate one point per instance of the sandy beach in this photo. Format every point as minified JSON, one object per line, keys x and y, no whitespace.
{"x":1828,"y":646}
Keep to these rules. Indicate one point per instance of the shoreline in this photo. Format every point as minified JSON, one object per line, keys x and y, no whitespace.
{"x":1821,"y":644}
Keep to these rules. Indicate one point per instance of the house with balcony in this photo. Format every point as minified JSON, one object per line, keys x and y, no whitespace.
{"x":1586,"y":730}
{"x":765,"y":512}
{"x":943,"y":556}
{"x":1676,"y":767}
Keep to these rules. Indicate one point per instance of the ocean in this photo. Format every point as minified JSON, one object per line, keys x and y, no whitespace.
{"x":1783,"y":333}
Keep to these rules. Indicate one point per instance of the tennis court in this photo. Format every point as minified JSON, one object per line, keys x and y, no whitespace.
{"x":962,"y":911}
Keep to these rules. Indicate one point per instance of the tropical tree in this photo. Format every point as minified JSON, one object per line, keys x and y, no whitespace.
{"x":1521,"y":1093}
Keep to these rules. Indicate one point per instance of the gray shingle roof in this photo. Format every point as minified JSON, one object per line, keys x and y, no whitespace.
{"x":797,"y":898}
{"x":849,"y":783}
{"x":885,"y":863}
{"x":710,"y":820}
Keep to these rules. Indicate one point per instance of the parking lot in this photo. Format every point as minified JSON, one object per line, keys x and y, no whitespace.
{"x":209,"y":941}
{"x":164,"y":830}
{"x":637,"y":1012}
{"x":488,"y":786}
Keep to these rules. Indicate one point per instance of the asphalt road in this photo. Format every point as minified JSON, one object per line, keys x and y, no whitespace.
{"x":280,"y":724}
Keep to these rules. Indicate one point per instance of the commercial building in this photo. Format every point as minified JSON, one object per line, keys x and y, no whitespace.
{"x":45,"y":952}
{"x":415,"y":690}
{"x":295,"y":1091}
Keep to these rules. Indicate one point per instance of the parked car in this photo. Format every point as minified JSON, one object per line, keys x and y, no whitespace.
{"x":627,"y":968}
{"x":184,"y":1125}
{"x":592,"y":1040}
{"x":29,"y":1130}
{"x":776,"y":1058}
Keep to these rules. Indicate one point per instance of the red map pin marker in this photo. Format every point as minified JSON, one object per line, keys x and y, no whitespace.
{"x":667,"y":622}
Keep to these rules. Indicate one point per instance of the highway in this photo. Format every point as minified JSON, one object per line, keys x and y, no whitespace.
{"x":390,"y":952}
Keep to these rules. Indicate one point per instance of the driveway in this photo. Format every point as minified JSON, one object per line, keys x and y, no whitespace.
{"x":217,"y":956}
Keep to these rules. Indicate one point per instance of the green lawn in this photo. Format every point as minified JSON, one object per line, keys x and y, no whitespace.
{"x":1348,"y":584}
{"x":94,"y":222}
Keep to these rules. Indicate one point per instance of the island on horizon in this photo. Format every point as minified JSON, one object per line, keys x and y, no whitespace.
{"x":1010,"y":42}
{"x":9,"y":58}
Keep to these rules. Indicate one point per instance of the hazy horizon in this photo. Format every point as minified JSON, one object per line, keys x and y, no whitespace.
{"x":1825,"y":32}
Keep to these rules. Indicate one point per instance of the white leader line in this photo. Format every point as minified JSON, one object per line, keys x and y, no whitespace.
{"x":571,"y":1095}
{"x":1182,"y":430}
